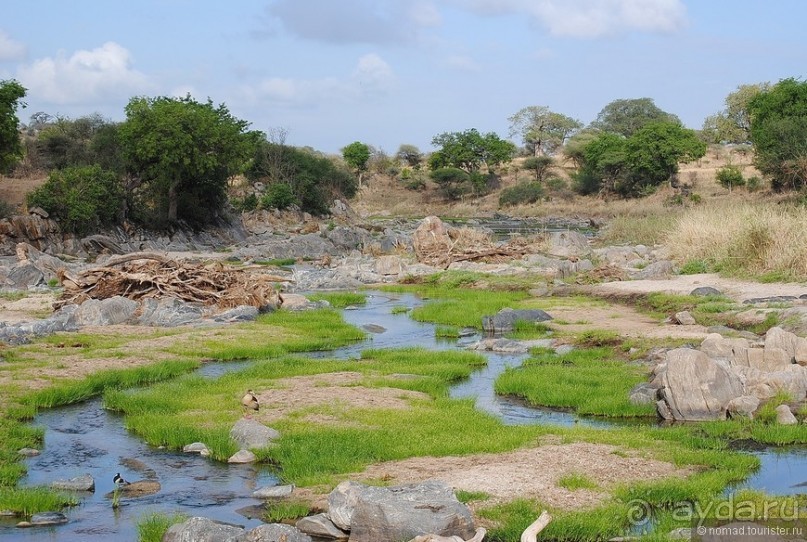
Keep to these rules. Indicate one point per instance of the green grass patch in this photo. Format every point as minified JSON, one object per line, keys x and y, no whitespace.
{"x":471,"y":496}
{"x":277,"y":262}
{"x":525,"y":331}
{"x":282,"y":510}
{"x":152,"y":527}
{"x":576,"y":480}
{"x":400,"y":309}
{"x":694,"y":267}
{"x":13,"y":295}
{"x":340,"y":300}
{"x":446,"y":332}
{"x":32,"y":500}
{"x":591,"y":381}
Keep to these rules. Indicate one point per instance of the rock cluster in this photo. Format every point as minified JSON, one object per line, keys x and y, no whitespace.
{"x":730,"y":377}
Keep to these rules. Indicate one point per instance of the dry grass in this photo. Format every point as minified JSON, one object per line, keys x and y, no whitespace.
{"x":751,"y":239}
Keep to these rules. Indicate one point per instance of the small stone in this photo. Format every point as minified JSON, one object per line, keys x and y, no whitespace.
{"x":48,"y":518}
{"x":273,"y":492}
{"x":196,"y":447}
{"x":205,"y":453}
{"x":705,"y":291}
{"x":784,"y":416}
{"x":28,"y":452}
{"x":564,"y":349}
{"x":242,"y":456}
{"x":84,"y":482}
{"x":374,"y":328}
{"x":24,"y":524}
{"x":321,"y":526}
{"x":685,"y":318}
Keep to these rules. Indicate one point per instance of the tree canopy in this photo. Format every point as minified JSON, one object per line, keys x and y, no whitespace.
{"x":542,"y":131}
{"x":733,"y":123}
{"x":470,"y":150}
{"x":181,"y":153}
{"x":779,"y":132}
{"x":356,"y":156}
{"x":11,"y":95}
{"x":628,"y":116}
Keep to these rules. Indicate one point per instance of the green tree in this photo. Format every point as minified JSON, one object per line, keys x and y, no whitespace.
{"x":542,"y":131}
{"x":470,"y":150}
{"x":62,"y":142}
{"x":180,"y":153}
{"x":628,"y":116}
{"x":356,"y":156}
{"x":653,"y":153}
{"x":81,"y":198}
{"x":602,"y":164}
{"x":540,"y":166}
{"x":733,"y":123}
{"x":779,"y":133}
{"x":453,"y":182}
{"x":11,"y":95}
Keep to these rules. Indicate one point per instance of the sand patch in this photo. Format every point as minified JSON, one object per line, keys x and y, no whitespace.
{"x":342,"y":389}
{"x":532,"y":473}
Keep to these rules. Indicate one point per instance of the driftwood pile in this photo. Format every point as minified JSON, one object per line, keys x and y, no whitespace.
{"x":147,"y":275}
{"x":439,"y":245}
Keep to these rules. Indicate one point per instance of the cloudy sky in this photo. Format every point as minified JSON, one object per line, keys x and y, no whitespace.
{"x":387,"y":72}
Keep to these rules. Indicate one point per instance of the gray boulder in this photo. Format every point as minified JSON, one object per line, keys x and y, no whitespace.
{"x":742,"y":407}
{"x":48,"y":518}
{"x":793,"y":345}
{"x":695,"y":387}
{"x":242,"y":456}
{"x":274,"y":532}
{"x":253,"y":434}
{"x":705,"y":291}
{"x":23,"y":275}
{"x":321,"y":526}
{"x":685,"y":318}
{"x":765,"y":384}
{"x":202,"y":530}
{"x":105,"y":312}
{"x":273,"y":492}
{"x":84,"y":482}
{"x":169,"y":312}
{"x":643,"y":393}
{"x":568,"y":243}
{"x":662,"y":269}
{"x":506,"y":319}
{"x":372,"y":514}
{"x":242,"y":313}
{"x":389,"y":265}
{"x":784,"y":416}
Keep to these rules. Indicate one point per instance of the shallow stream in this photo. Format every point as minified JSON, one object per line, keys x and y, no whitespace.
{"x":85,"y":438}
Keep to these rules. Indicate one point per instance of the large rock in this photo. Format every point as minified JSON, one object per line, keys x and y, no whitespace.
{"x":321,"y":526}
{"x":389,"y":265}
{"x":169,"y":312}
{"x":662,"y":269}
{"x":729,"y":349}
{"x":84,"y":482}
{"x":24,"y":275}
{"x":764,"y":384}
{"x":784,"y":416}
{"x":105,"y":312}
{"x":430,"y":236}
{"x":274,"y":532}
{"x":202,"y":530}
{"x":795,"y":346}
{"x":567,"y":244}
{"x":373,"y":514}
{"x":743,"y":407}
{"x":253,"y":434}
{"x":506,"y":319}
{"x":695,"y":387}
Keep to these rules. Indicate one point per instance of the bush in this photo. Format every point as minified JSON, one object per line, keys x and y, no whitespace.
{"x":522,"y":193}
{"x":753,"y":184}
{"x":453,"y":182}
{"x":81,"y":198}
{"x":278,"y":196}
{"x":245,"y":204}
{"x":729,"y":177}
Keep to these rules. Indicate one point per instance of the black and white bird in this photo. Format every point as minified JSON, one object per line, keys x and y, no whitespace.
{"x":119,"y":481}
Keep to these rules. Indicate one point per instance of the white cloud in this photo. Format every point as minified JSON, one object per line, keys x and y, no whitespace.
{"x":463,"y":62}
{"x":424,"y":14}
{"x":372,"y":76}
{"x":590,"y":18}
{"x":10,"y":49}
{"x":85,"y":77}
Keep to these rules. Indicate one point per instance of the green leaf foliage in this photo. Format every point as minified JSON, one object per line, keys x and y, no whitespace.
{"x":82,"y":199}
{"x":779,"y":133}
{"x":522,"y":193}
{"x":729,"y":177}
{"x":470,"y":150}
{"x":453,"y":182}
{"x":11,"y":94}
{"x":356,"y":155}
{"x":627,"y":117}
{"x":182,"y":152}
{"x":278,"y":196}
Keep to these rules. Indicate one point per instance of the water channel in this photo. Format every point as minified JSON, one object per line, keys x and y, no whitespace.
{"x":85,"y":438}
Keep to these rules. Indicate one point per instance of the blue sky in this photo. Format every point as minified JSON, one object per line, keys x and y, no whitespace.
{"x":388,"y":72}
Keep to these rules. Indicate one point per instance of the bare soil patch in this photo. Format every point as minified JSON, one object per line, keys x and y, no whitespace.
{"x":341,"y":389}
{"x":31,"y":307}
{"x":532,"y":473}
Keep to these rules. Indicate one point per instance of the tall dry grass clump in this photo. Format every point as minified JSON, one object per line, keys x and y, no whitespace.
{"x":761,"y":240}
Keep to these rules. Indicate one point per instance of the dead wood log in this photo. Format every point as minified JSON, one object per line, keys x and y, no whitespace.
{"x":530,"y":534}
{"x":118,"y":260}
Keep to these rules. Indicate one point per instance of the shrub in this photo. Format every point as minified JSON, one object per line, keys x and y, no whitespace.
{"x":80,"y":198}
{"x":729,"y":177}
{"x":247,"y":203}
{"x":278,"y":196}
{"x":753,"y":183}
{"x":694,"y":267}
{"x":521,"y":193}
{"x":406,"y":174}
{"x":453,"y":182}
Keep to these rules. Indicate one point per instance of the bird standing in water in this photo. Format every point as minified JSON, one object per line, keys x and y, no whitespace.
{"x":119,"y":481}
{"x":250,"y":401}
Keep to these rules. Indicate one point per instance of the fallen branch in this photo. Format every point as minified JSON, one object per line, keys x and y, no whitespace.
{"x":530,"y":534}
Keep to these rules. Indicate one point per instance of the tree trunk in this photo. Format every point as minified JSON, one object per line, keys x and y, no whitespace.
{"x":172,"y":202}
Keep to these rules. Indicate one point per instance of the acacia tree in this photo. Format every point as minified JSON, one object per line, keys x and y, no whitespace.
{"x":628,"y":116}
{"x":542,"y":131}
{"x":409,"y":154}
{"x":180,"y":154}
{"x":470,"y":150}
{"x":779,"y":133}
{"x":733,"y":124}
{"x":11,"y":94}
{"x":356,"y":156}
